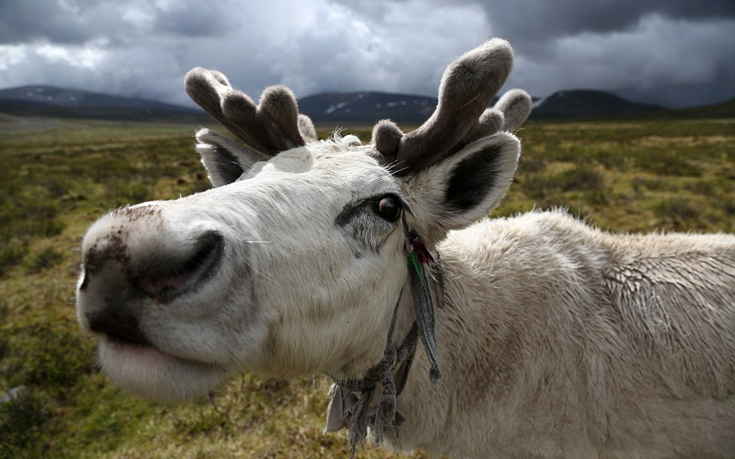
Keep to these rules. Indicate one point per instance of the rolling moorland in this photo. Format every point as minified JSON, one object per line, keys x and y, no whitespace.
{"x":58,"y":175}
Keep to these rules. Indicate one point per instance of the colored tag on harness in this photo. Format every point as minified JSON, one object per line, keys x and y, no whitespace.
{"x":420,"y":261}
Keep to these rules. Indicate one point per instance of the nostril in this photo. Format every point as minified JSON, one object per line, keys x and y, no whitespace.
{"x":84,"y":281}
{"x":117,"y":327}
{"x":179,"y":275}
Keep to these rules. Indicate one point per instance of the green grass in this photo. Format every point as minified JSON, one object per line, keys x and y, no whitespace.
{"x":59,"y":176}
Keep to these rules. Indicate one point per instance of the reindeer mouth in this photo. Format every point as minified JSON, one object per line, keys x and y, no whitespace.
{"x":119,"y":329}
{"x":155,"y":374}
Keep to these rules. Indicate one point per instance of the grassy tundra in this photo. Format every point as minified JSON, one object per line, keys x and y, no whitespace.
{"x":57,"y":177}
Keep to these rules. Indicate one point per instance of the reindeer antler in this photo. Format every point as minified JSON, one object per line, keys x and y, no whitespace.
{"x":461,"y":116}
{"x":271,"y":127}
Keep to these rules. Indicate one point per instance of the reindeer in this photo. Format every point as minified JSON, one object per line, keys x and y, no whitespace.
{"x":531,"y":336}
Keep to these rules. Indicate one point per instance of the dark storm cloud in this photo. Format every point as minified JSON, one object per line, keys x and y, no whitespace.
{"x":75,"y":22}
{"x":27,"y":20}
{"x":526,"y":20}
{"x":530,"y":20}
{"x":196,"y":19}
{"x":670,"y":52}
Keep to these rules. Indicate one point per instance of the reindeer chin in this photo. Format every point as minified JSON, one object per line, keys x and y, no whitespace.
{"x":151,"y":373}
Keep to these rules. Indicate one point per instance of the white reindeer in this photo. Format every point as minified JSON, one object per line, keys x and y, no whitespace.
{"x":549,"y":339}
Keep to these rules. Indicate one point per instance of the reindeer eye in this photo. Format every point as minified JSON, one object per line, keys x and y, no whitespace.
{"x":389,"y":208}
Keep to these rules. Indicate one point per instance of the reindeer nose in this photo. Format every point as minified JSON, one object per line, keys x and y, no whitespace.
{"x":121,"y":277}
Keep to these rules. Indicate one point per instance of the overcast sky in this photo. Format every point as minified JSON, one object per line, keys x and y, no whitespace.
{"x":669,"y":52}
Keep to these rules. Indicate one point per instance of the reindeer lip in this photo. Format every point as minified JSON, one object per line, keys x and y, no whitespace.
{"x":158,"y":374}
{"x":123,"y":346}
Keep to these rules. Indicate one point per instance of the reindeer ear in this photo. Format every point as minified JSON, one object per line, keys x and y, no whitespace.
{"x":468,"y":185}
{"x":224,"y":159}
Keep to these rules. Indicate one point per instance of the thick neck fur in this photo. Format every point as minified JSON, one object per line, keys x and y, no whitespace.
{"x":543,"y":349}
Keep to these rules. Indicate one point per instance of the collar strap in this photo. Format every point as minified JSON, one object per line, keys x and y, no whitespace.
{"x":351,"y":400}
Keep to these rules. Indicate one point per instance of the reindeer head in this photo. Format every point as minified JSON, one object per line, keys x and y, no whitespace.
{"x":293,"y":263}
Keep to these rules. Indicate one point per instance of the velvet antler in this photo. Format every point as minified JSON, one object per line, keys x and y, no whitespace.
{"x":271,"y":127}
{"x":461,"y":116}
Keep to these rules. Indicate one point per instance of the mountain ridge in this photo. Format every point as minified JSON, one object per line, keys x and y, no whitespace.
{"x":53,"y":101}
{"x":587,"y":102}
{"x":336,"y":108}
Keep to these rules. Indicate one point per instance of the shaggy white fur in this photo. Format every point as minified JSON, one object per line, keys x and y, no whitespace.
{"x":554,"y":340}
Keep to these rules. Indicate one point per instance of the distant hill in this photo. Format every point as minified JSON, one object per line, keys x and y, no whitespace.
{"x":333,"y":108}
{"x":585,"y":103}
{"x":366,"y":107}
{"x":721,"y":110}
{"x":51,"y":101}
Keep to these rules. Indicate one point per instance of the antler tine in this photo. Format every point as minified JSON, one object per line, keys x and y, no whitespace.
{"x":207,"y":88}
{"x":490,"y":122}
{"x":274,"y":123}
{"x":271,"y":127}
{"x":508,"y":113}
{"x":306,"y":128}
{"x":516,"y":105}
{"x":468,"y":85}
